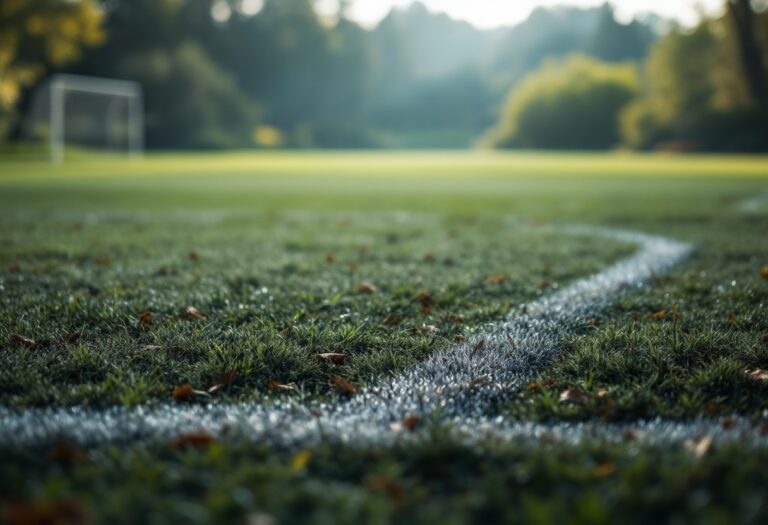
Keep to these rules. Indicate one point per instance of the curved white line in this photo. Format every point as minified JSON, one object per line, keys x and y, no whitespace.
{"x":455,"y":387}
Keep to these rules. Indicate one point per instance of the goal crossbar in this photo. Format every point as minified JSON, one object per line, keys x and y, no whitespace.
{"x":62,"y":84}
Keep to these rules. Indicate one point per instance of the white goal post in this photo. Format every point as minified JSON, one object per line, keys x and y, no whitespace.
{"x":90,"y":111}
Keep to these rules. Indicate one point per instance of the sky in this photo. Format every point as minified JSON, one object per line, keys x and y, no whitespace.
{"x":494,"y":13}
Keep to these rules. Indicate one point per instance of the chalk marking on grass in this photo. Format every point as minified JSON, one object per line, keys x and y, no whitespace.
{"x":754,"y":204}
{"x":453,"y":389}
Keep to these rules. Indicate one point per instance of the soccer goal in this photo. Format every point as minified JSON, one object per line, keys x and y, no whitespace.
{"x":87,"y":112}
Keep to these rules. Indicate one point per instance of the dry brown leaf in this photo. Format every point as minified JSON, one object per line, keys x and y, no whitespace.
{"x":64,"y":451}
{"x":199,"y":439}
{"x":385,"y":484}
{"x":276,"y":386}
{"x":496,"y":279}
{"x":728,"y":423}
{"x":409,"y":423}
{"x":333,"y":358}
{"x":193,"y":256}
{"x":104,"y":261}
{"x":574,"y":395}
{"x":59,"y":512}
{"x":764,"y":272}
{"x":193,"y":314}
{"x":393,"y":319}
{"x":700,"y":446}
{"x":545,"y":285}
{"x":146,"y":320}
{"x":456,"y":319}
{"x":661,"y":314}
{"x":756,"y":374}
{"x":74,"y":337}
{"x":186,"y":392}
{"x":427,"y":329}
{"x":366,"y":287}
{"x":343,"y":385}
{"x":24,"y":341}
{"x":604,"y":470}
{"x":712,"y":408}
{"x":329,"y":258}
{"x":426,"y":302}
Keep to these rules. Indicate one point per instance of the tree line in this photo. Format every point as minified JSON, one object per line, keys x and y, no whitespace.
{"x":273,"y":73}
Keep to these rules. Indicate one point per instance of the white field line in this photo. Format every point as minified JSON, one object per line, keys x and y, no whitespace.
{"x":454,"y":387}
{"x":754,"y":204}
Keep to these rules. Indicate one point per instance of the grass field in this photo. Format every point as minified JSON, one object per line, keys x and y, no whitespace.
{"x":379,"y":260}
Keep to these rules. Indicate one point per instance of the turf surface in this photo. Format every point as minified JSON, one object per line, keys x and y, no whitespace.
{"x":273,"y":250}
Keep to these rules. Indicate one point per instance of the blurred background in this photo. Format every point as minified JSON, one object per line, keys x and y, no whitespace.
{"x":248,"y":74}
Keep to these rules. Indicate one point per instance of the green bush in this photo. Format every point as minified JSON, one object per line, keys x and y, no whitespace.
{"x":573,"y":103}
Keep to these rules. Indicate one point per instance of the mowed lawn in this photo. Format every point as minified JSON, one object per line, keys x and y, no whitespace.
{"x":122,"y":281}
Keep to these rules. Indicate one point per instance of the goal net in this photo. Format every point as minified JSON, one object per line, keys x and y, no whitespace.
{"x":86,"y":112}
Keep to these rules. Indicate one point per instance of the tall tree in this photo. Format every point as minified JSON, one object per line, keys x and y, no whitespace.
{"x":37,"y":34}
{"x":753,"y":62}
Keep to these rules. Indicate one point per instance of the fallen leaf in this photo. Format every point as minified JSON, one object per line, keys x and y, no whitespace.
{"x":604,"y":470}
{"x":300,"y":460}
{"x":574,"y":395}
{"x":764,"y":272}
{"x":74,"y":337}
{"x":67,"y":452}
{"x":661,"y":314}
{"x":333,"y":358}
{"x":410,"y":423}
{"x":456,"y":319}
{"x":24,"y":341}
{"x":59,"y":512}
{"x":385,"y":484}
{"x":392,"y":319}
{"x":193,"y":314}
{"x":366,"y":287}
{"x":146,"y":320}
{"x":602,"y":392}
{"x":193,"y":256}
{"x":426,"y":302}
{"x":699,"y":446}
{"x":330,"y":258}
{"x":545,"y":285}
{"x":427,"y":329}
{"x":728,"y":423}
{"x":343,"y":385}
{"x":104,"y":261}
{"x":496,"y":279}
{"x":199,"y":439}
{"x":276,"y":386}
{"x":182,"y":393}
{"x":756,"y":374}
{"x":186,"y":392}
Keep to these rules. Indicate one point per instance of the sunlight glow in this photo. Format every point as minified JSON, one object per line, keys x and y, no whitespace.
{"x":494,"y":13}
